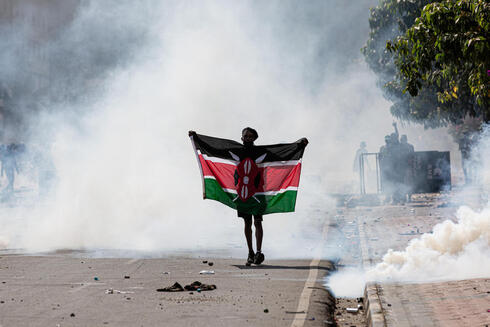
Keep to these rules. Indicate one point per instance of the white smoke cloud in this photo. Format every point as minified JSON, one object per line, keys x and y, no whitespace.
{"x":128,"y":178}
{"x":4,"y":242}
{"x":453,"y":251}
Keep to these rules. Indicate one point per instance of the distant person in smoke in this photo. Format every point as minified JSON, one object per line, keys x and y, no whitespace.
{"x":469,"y":157}
{"x":406,"y":147}
{"x":407,"y":166}
{"x":465,"y":148}
{"x":362,"y":149}
{"x":386,"y":168}
{"x":397,"y":166}
{"x":9,"y":166}
{"x":249,"y":136}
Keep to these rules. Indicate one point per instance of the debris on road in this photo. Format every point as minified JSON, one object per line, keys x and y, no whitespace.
{"x":206,"y":272}
{"x":198,"y":286}
{"x":127,"y":277}
{"x":113,"y":291}
{"x":174,"y":288}
{"x":352,"y":310}
{"x":210,"y":263}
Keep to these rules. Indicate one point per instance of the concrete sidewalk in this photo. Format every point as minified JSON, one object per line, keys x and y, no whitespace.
{"x":368,"y":233}
{"x":448,"y":304}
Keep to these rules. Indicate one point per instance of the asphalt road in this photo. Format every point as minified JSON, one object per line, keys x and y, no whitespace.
{"x":65,"y":289}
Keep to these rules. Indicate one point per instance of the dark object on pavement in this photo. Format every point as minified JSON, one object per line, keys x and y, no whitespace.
{"x":210,"y":263}
{"x":266,"y":310}
{"x":127,"y":277}
{"x":205,"y":261}
{"x":174,"y":288}
{"x":259,"y":258}
{"x":198,"y":286}
{"x":96,"y":278}
{"x":72,"y":315}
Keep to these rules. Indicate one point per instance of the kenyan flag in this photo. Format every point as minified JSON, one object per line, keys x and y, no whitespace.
{"x":257,"y":180}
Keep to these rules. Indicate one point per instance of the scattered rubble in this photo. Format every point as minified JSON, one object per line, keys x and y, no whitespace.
{"x":174,"y":288}
{"x":198,"y":286}
{"x":195,"y":286}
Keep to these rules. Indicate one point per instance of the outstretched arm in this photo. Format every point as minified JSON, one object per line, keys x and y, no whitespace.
{"x":396,"y":130}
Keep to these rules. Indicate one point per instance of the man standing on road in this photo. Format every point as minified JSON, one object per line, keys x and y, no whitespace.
{"x":249,"y":135}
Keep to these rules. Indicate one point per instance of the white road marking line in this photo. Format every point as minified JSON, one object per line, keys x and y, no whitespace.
{"x":304,"y":299}
{"x":366,"y":262}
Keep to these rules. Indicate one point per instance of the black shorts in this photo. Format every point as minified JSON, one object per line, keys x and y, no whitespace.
{"x":247,"y":216}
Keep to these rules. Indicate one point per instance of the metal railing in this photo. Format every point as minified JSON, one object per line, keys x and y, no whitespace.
{"x":362,"y":177}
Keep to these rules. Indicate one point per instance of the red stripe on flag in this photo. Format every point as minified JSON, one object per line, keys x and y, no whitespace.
{"x":275,"y":178}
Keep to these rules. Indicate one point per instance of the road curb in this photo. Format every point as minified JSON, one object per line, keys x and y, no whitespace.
{"x":374,"y":311}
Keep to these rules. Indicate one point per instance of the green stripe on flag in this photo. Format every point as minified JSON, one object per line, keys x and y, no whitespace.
{"x":281,"y":202}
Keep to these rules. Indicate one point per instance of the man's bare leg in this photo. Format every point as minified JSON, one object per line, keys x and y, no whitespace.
{"x":259,"y":234}
{"x":248,"y":234}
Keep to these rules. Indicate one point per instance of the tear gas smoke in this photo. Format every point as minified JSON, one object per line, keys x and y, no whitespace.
{"x":453,"y":251}
{"x":349,"y":282}
{"x":3,"y":243}
{"x":127,"y":175}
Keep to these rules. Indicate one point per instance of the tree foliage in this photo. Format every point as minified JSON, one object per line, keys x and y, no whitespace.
{"x":389,"y":20}
{"x":447,"y":51}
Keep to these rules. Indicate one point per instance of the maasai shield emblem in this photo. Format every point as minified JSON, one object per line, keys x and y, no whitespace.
{"x":247,"y":173}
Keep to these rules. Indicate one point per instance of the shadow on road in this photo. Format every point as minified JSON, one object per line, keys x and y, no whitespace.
{"x":283,"y":267}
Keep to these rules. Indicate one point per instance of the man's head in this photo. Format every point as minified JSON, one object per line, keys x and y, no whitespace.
{"x":363,"y":145}
{"x":403,"y":139}
{"x":249,"y":135}
{"x":394,"y":138}
{"x":387,"y":139}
